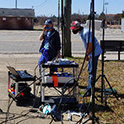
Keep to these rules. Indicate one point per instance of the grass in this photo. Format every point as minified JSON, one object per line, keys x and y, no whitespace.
{"x":114,"y":72}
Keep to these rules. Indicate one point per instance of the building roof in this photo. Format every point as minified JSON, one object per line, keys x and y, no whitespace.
{"x":17,"y":12}
{"x":112,"y":15}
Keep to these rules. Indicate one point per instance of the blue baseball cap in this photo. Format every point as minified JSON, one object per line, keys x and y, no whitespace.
{"x":47,"y":22}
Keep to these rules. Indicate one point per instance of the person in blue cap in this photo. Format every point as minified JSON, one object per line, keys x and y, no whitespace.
{"x":86,"y":37}
{"x":50,"y":47}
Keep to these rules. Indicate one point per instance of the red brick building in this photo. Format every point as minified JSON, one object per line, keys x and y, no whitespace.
{"x":16,"y":19}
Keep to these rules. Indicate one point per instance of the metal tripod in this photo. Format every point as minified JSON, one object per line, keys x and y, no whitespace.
{"x":102,"y":76}
{"x":93,"y":117}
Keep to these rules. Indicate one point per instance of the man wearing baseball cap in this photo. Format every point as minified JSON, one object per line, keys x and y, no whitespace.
{"x":86,"y":37}
{"x":50,"y":47}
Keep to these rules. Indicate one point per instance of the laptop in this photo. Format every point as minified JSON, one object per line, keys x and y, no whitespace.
{"x":13,"y":71}
{"x":21,"y":74}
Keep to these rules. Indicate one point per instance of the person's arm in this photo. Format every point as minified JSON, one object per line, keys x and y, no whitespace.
{"x":42,"y":34}
{"x":89,"y":50}
{"x":88,"y":37}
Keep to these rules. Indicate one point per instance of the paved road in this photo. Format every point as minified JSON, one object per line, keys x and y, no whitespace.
{"x":12,"y":41}
{"x":26,"y":42}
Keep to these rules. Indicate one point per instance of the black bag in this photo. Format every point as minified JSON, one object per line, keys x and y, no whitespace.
{"x":24,"y":88}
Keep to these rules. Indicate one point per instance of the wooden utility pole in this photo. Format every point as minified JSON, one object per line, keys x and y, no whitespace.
{"x":58,"y":14}
{"x":62,"y":27}
{"x":67,"y":32}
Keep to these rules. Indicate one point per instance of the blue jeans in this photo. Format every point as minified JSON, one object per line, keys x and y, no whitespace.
{"x":44,"y":57}
{"x":90,"y":70}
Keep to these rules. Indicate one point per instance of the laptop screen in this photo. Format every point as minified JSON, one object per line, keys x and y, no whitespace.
{"x":13,"y":71}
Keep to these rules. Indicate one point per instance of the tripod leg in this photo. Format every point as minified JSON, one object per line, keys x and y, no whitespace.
{"x":111,"y":89}
{"x":79,"y":122}
{"x":102,"y":88}
{"x":103,"y":91}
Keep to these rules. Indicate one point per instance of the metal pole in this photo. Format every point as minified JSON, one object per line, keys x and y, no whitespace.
{"x":102,"y":85}
{"x":106,"y":10}
{"x":16,"y":4}
{"x":102,"y":79}
{"x":103,"y":5}
{"x":58,"y":13}
{"x":93,"y":69}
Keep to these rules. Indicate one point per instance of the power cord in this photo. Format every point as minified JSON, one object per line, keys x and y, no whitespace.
{"x":8,"y":108}
{"x":81,"y":70}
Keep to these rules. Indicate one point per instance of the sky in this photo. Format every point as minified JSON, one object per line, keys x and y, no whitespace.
{"x":50,"y":7}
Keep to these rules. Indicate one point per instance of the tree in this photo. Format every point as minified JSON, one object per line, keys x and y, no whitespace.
{"x":102,"y":16}
{"x":122,"y":15}
{"x":117,"y":18}
{"x":67,"y":32}
{"x":79,"y":17}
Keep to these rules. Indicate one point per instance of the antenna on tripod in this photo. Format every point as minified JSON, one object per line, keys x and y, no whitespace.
{"x":103,"y":77}
{"x":93,"y":117}
{"x":93,"y":69}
